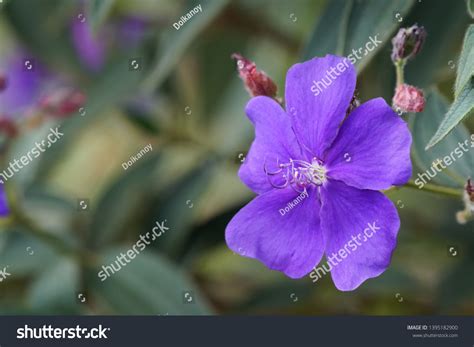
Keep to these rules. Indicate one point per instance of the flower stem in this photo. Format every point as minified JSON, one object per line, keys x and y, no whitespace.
{"x":399,"y":68}
{"x":433,"y":188}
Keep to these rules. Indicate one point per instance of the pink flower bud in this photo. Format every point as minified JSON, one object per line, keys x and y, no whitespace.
{"x":409,"y":98}
{"x":467,"y":214}
{"x":8,"y":127}
{"x":470,"y":190}
{"x":62,"y":102}
{"x":256,"y":82}
{"x":3,"y":82}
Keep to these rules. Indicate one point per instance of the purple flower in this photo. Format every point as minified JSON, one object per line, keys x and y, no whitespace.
{"x":90,"y":48}
{"x":23,"y":85}
{"x":131,"y":31}
{"x":324,"y":176}
{"x":4,"y":210}
{"x":93,"y":49}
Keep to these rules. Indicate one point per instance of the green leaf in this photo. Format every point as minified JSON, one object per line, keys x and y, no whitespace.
{"x":209,"y":235}
{"x":378,"y":79}
{"x":42,"y":27}
{"x":178,"y":204}
{"x":49,"y":210}
{"x":279,"y":295}
{"x":174,"y":45}
{"x":457,"y":287}
{"x":460,"y":109}
{"x":97,"y":12}
{"x":115,"y":83}
{"x":466,"y":62}
{"x":127,"y":195}
{"x":470,"y":7}
{"x":148,"y":284}
{"x":464,"y":91}
{"x":423,"y":126}
{"x":328,"y":38}
{"x":25,"y":255}
{"x":142,"y":119}
{"x":358,"y":22}
{"x":56,"y":288}
{"x":216,"y":73}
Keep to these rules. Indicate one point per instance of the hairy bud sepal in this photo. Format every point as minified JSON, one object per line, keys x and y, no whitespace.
{"x":407,"y":43}
{"x":256,"y":82}
{"x":409,"y":98}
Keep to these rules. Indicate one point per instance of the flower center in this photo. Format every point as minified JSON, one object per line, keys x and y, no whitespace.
{"x":299,"y":174}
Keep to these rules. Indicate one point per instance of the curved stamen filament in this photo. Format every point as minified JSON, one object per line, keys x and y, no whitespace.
{"x":281,"y":166}
{"x":296,"y":173}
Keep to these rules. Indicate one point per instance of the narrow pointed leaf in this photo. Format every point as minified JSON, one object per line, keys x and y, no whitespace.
{"x":466,"y":62}
{"x":461,"y":108}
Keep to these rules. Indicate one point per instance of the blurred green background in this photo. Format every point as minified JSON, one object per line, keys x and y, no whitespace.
{"x":187,"y":101}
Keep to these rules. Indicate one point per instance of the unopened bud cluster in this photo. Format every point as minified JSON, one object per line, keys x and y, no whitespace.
{"x":59,"y":103}
{"x":62,"y":102}
{"x":407,"y":44}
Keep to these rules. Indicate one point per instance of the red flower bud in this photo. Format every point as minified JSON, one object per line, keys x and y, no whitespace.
{"x":409,"y":98}
{"x":62,"y":102}
{"x":467,"y":214}
{"x":470,"y":190}
{"x":3,"y":82}
{"x":8,"y":127}
{"x":256,"y":82}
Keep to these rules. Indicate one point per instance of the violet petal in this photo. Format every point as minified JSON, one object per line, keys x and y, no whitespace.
{"x":291,"y":243}
{"x":274,"y":143}
{"x":372,"y":148}
{"x":23,"y":85}
{"x":346,"y":212}
{"x":316,"y":119}
{"x":90,"y":48}
{"x":4,"y":210}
